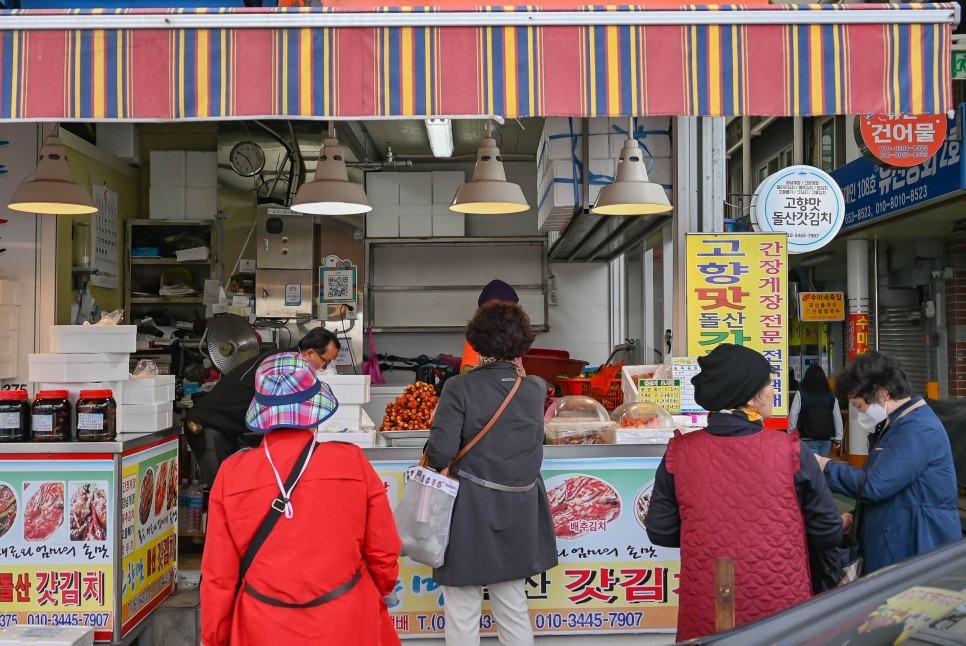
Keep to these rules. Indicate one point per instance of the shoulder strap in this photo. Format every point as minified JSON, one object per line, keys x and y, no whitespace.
{"x":918,"y":404}
{"x":271,"y":518}
{"x":489,"y":425}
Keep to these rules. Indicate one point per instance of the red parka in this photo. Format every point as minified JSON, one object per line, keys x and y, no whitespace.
{"x":341,"y":523}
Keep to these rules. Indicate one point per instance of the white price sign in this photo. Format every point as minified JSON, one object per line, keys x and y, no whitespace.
{"x":803,"y":202}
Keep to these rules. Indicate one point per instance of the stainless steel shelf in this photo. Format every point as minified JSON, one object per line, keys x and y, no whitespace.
{"x":171,"y":300}
{"x":167,"y":261}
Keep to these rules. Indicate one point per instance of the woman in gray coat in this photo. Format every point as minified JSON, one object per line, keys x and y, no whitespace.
{"x":502,"y":530}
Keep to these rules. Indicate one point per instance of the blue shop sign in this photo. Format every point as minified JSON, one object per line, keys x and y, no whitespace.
{"x":872,"y":192}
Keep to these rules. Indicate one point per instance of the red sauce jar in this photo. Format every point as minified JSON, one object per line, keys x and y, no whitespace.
{"x":96,"y":416}
{"x":50,"y":418}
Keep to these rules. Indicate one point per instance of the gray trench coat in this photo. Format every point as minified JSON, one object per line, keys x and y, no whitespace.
{"x":496,"y":535}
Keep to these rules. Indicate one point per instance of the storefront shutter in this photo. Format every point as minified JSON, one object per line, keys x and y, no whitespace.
{"x":902,"y":333}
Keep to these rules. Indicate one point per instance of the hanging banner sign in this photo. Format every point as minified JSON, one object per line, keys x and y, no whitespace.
{"x":737,"y":293}
{"x":900,"y":141}
{"x":857,"y":341}
{"x":803,"y":202}
{"x":822,"y":306}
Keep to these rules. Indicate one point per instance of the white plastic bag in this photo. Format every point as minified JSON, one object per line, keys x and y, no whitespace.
{"x":424,"y":514}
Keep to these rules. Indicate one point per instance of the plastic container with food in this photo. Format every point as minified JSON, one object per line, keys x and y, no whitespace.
{"x":578,"y":419}
{"x":643,"y":423}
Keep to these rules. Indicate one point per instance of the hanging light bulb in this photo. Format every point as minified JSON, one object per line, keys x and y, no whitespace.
{"x":331,"y":192}
{"x":489,"y":192}
{"x":632,"y":193}
{"x":49,"y":189}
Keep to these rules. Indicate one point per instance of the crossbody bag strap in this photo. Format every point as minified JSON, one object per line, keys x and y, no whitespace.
{"x":274,"y":513}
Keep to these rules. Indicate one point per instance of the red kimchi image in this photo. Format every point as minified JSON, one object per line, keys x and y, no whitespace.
{"x":582,"y":505}
{"x":146,"y":496}
{"x":88,"y":511}
{"x":8,"y":509}
{"x":161,"y":490}
{"x":173,"y":485}
{"x":44,"y":512}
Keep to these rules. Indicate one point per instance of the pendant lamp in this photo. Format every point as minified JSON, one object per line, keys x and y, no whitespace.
{"x":632,"y":193}
{"x":49,"y":189}
{"x":331,"y":192}
{"x":489,"y":192}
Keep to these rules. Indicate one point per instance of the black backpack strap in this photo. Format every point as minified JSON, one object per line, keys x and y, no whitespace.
{"x":274,"y":513}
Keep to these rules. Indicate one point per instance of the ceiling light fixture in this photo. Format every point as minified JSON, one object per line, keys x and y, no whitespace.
{"x":440,"y":133}
{"x":331,"y":192}
{"x":489,"y":192}
{"x":632,"y":193}
{"x":49,"y":189}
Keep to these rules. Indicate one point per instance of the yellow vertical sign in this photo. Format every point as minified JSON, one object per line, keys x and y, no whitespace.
{"x":737,"y":293}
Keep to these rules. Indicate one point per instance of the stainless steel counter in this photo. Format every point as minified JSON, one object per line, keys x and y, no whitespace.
{"x":125,"y":442}
{"x":570,"y":452}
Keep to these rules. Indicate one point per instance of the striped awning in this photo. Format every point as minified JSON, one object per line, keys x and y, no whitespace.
{"x":765,"y":60}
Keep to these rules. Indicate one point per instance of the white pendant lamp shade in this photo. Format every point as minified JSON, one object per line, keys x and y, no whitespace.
{"x":49,"y":189}
{"x":632,"y":193}
{"x":489,"y":192}
{"x":331,"y":192}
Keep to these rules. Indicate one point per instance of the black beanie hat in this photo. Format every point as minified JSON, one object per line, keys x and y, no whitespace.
{"x":730,"y":377}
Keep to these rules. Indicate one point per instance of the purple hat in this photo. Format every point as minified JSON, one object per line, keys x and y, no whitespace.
{"x":288,"y":395}
{"x":497,"y":290}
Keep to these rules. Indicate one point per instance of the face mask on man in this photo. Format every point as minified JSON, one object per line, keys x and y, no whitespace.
{"x":871,"y":417}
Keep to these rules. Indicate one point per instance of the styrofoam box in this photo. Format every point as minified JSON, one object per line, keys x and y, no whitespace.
{"x":8,"y":369}
{"x":144,"y":418}
{"x":168,"y":168}
{"x":448,"y":224}
{"x":116,"y":388}
{"x":382,"y":189}
{"x":149,"y":390}
{"x":201,"y":203}
{"x":9,"y":292}
{"x":631,"y":392}
{"x":166,"y":203}
{"x":77,"y":368}
{"x":445,"y":183}
{"x":415,"y":188}
{"x":415,"y":221}
{"x":201,"y":169}
{"x":46,"y":636}
{"x":349,"y":389}
{"x":348,"y":416}
{"x":9,"y":317}
{"x":93,"y":339}
{"x":561,"y":144}
{"x":383,"y":222}
{"x":359,"y":439}
{"x":9,"y":340}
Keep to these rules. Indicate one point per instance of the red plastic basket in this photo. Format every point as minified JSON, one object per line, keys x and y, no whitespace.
{"x":610,"y":401}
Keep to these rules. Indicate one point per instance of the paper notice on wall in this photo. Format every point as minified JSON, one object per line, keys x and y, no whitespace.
{"x":105,"y":238}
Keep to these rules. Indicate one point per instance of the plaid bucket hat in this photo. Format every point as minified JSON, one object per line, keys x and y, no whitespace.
{"x":288,"y":395}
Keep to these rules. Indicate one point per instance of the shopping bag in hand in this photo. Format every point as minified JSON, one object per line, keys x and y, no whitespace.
{"x":424,"y":513}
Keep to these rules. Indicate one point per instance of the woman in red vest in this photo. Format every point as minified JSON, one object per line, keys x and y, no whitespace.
{"x":738,"y":490}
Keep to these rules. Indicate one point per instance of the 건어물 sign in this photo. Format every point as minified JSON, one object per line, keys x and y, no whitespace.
{"x":901,"y":141}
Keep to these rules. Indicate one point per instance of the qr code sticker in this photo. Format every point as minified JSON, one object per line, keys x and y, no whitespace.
{"x":338,"y":286}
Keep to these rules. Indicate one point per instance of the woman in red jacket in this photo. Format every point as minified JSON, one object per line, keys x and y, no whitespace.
{"x":322,"y":572}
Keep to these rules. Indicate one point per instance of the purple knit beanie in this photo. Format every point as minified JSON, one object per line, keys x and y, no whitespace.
{"x":497,"y":290}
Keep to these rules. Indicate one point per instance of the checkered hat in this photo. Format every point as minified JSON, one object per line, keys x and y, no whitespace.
{"x":287,"y":395}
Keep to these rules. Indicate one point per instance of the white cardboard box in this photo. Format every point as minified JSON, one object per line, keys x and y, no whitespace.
{"x":359,"y":439}
{"x":168,"y":168}
{"x":166,"y":203}
{"x":77,"y":368}
{"x":382,"y":189}
{"x":201,"y":203}
{"x":348,"y":417}
{"x":445,"y":183}
{"x":93,"y":339}
{"x":415,"y":220}
{"x":349,"y":389}
{"x":149,"y":390}
{"x":415,"y":188}
{"x":383,"y":222}
{"x":144,"y":418}
{"x":448,"y":224}
{"x":47,"y":636}
{"x":201,"y":169}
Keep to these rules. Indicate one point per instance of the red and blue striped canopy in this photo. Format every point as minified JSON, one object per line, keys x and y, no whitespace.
{"x":327,"y":63}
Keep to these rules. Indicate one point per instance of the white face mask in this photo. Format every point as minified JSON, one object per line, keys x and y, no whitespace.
{"x":871,"y":417}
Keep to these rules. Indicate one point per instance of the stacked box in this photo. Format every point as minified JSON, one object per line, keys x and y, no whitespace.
{"x":349,"y":389}
{"x":9,"y":327}
{"x":560,"y":160}
{"x":413,"y":205}
{"x":184,"y":185}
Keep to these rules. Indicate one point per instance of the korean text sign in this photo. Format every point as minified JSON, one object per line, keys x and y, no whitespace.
{"x":610,"y":579}
{"x":149,"y":523}
{"x":737,"y":293}
{"x":822,"y":306}
{"x":904,"y":141}
{"x":57,"y":536}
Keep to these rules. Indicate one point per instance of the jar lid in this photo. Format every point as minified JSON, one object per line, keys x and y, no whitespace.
{"x":7,"y":395}
{"x":53,"y":394}
{"x":96,"y":394}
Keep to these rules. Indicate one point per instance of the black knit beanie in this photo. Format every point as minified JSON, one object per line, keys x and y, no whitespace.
{"x":731,"y":375}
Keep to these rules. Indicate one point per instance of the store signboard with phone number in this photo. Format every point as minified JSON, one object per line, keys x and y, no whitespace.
{"x":610,"y":578}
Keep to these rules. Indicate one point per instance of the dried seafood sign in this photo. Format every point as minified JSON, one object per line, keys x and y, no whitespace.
{"x":57,"y":537}
{"x":610,"y":578}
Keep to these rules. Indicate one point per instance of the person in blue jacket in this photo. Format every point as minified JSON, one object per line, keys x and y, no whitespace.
{"x":907,"y":489}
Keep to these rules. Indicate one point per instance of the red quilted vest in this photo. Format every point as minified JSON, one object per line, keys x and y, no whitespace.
{"x":737,"y":499}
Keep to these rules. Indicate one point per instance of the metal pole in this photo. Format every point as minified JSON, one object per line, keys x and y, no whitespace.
{"x":875,"y":292}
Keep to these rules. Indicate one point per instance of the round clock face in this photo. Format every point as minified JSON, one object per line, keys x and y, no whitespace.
{"x":247,"y":159}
